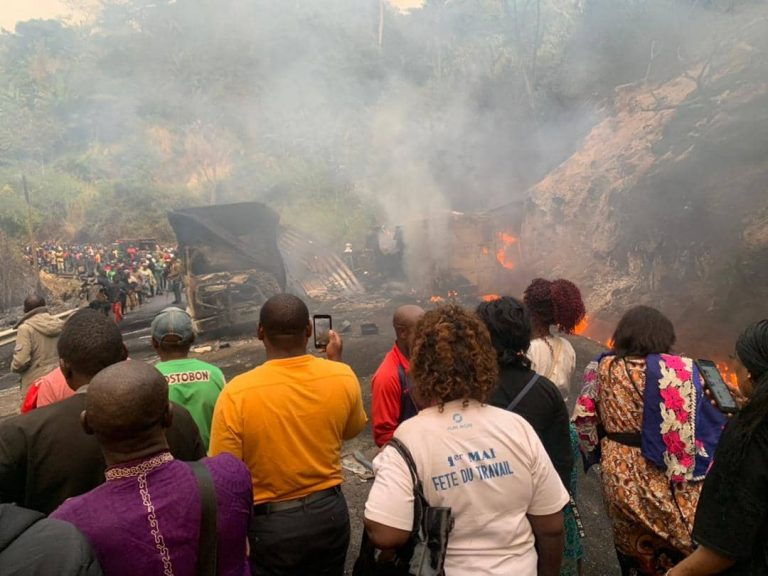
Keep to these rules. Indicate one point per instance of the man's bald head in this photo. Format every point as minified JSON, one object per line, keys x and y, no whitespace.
{"x":284,"y":321}
{"x":127,"y":401}
{"x":405,"y":320}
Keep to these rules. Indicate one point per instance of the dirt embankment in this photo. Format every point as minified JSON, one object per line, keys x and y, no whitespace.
{"x":665,"y":202}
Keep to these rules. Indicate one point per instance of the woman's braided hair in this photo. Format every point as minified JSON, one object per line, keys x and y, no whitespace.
{"x":557,"y":303}
{"x":452,"y":358}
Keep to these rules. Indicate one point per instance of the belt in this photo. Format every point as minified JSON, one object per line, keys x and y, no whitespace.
{"x":270,"y":507}
{"x":631,"y":439}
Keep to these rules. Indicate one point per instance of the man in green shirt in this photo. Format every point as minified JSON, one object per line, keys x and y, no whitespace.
{"x":191,"y":382}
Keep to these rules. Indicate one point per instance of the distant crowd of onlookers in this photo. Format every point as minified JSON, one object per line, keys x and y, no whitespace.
{"x":88,"y":259}
{"x":116,"y":278}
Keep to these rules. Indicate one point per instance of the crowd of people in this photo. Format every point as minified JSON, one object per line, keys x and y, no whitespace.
{"x":110,"y":475}
{"x":86,"y":259}
{"x":116,"y":279}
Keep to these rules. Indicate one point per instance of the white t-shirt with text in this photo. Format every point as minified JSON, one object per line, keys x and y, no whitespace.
{"x":490,"y":467}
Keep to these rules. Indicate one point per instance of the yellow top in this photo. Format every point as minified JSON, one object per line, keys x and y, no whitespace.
{"x":286,"y":420}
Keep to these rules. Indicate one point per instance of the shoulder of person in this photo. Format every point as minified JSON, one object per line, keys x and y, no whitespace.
{"x":567,"y":346}
{"x":337,"y":368}
{"x":387,"y":364}
{"x":181,"y":415}
{"x":549,"y":387}
{"x":243,"y":380}
{"x":231,"y":466}
{"x":513,"y":425}
{"x":211,"y":367}
{"x":44,"y":416}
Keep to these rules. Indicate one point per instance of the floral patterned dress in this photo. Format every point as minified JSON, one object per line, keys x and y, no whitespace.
{"x":652,"y":516}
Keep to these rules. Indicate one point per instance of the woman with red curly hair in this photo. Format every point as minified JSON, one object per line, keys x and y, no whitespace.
{"x":486,"y":464}
{"x":555,"y":303}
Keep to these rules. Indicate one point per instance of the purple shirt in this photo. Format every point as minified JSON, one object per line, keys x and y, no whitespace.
{"x":146,"y":518}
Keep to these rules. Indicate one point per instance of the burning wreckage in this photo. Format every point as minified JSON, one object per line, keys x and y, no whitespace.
{"x":236,"y":256}
{"x":231,"y":259}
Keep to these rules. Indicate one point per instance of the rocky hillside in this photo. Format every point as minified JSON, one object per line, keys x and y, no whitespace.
{"x":666,"y":201}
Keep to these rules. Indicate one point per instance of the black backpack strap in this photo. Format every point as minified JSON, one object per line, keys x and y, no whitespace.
{"x":408,"y":407}
{"x":522,"y":393}
{"x":208,"y":546}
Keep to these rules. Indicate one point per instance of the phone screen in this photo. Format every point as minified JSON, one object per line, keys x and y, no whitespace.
{"x":714,"y":381}
{"x":321,"y":327}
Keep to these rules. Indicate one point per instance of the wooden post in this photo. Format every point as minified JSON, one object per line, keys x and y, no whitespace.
{"x":188,"y":277}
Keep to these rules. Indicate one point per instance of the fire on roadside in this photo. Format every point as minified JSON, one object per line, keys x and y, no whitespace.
{"x":505,"y":242}
{"x":582,"y":326}
{"x":490,"y":297}
{"x":729,"y":375}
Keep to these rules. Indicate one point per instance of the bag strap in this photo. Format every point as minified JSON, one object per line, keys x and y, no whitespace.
{"x":407,"y":405}
{"x":208,"y":546}
{"x":520,"y":395}
{"x":418,"y":489}
{"x":555,"y":357}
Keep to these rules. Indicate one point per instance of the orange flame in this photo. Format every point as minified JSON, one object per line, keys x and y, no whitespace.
{"x":506,"y":240}
{"x":436,"y":299}
{"x":582,"y":326}
{"x":728,"y":374}
{"x":490,"y":297}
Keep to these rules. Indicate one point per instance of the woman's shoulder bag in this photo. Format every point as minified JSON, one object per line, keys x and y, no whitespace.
{"x":424,"y":553}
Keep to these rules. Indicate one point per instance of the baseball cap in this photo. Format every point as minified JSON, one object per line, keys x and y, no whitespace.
{"x":172,"y":322}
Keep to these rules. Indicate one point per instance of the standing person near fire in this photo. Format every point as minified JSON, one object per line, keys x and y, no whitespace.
{"x":37,"y":334}
{"x":520,"y":389}
{"x":146,"y":519}
{"x":175,"y":273}
{"x":191,"y":382}
{"x":556,"y":304}
{"x":391,"y":400}
{"x":537,"y":399}
{"x":643,"y":416}
{"x":731,"y":526}
{"x":287,"y":419}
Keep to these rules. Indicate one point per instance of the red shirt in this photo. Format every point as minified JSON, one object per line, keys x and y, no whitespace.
{"x":386,"y":396}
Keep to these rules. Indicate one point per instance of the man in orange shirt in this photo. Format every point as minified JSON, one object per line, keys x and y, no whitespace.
{"x":287,"y":420}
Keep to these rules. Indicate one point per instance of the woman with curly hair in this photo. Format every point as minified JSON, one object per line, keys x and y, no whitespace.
{"x":644,"y":417}
{"x":486,"y":464}
{"x":556,"y":304}
{"x":731,"y":526}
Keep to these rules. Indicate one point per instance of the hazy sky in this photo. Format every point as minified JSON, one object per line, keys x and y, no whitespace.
{"x":14,"y":10}
{"x":11,"y":11}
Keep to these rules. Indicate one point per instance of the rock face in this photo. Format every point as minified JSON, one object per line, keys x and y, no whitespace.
{"x":666,"y":201}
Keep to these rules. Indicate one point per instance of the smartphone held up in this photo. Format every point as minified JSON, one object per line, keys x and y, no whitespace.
{"x":714,"y":382}
{"x":322,"y":324}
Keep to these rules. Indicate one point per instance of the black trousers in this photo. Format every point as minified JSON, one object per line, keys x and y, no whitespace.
{"x":311,"y":540}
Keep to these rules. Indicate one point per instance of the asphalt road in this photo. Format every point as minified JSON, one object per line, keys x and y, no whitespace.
{"x":363,"y":354}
